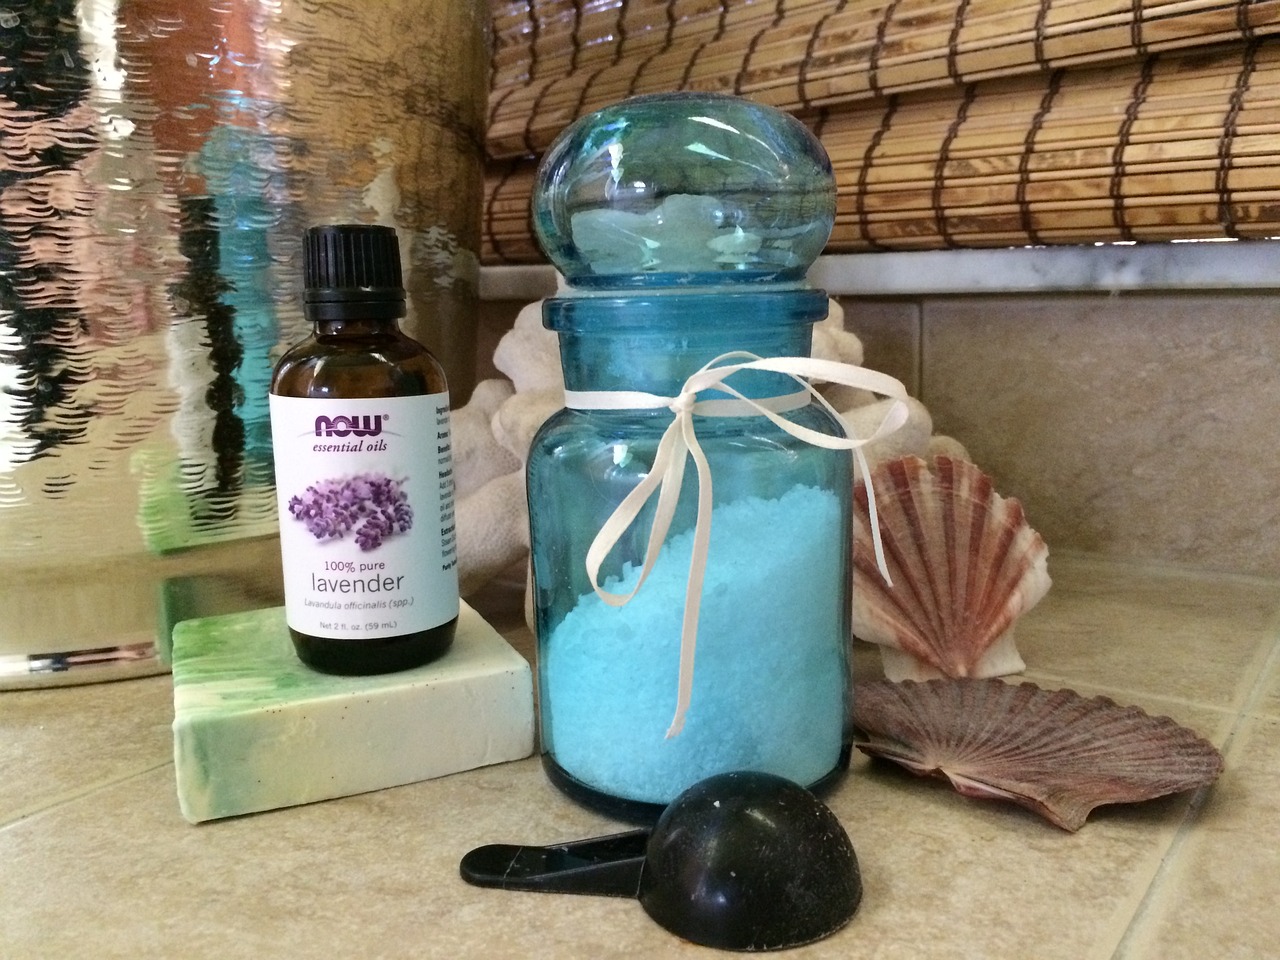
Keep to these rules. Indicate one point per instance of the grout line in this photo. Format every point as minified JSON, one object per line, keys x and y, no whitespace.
{"x":1125,"y":695}
{"x":1147,"y":906}
{"x":920,"y":307}
{"x":1270,"y":666}
{"x":25,"y":815}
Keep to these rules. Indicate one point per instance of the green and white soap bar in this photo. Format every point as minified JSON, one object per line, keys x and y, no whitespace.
{"x":255,"y":729}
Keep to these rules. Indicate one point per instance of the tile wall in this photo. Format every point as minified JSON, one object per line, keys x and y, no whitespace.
{"x":1140,"y":426}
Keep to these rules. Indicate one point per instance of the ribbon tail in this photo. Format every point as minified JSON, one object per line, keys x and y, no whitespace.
{"x":668,"y":492}
{"x":873,"y":517}
{"x":697,"y":574}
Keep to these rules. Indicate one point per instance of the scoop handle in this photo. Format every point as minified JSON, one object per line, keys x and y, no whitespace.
{"x":602,"y":866}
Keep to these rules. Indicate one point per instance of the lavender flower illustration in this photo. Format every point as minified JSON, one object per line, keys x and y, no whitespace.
{"x":370,"y":505}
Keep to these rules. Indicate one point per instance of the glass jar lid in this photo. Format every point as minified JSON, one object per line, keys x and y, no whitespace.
{"x":684,"y":188}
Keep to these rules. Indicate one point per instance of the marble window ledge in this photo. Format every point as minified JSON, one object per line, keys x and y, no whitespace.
{"x":1111,"y":268}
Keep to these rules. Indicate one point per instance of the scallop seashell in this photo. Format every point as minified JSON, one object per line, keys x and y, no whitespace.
{"x":1054,"y":752}
{"x":964,"y":566}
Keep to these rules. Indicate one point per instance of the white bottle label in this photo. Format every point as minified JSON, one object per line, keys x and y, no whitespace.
{"x":365,"y":495}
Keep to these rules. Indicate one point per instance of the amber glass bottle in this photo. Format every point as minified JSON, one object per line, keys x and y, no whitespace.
{"x":364,"y":479}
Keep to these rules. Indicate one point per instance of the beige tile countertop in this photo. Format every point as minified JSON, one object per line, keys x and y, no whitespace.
{"x":95,"y":860}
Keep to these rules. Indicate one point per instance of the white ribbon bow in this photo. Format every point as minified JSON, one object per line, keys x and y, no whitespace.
{"x":679,"y":442}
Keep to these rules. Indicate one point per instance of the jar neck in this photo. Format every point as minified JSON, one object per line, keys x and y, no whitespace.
{"x":654,"y":344}
{"x":660,"y":364}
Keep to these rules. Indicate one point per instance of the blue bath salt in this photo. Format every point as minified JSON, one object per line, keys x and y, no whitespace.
{"x":770,"y":669}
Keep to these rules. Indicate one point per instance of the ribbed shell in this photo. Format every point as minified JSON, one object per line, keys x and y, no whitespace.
{"x":1054,"y":752}
{"x":964,"y":564}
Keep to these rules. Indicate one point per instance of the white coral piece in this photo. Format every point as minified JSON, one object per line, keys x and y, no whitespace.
{"x":492,"y":434}
{"x":493,"y":525}
{"x":529,"y":353}
{"x":478,"y":456}
{"x":911,"y":439}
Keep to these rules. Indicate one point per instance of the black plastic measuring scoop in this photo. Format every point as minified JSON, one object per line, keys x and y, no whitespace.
{"x":739,"y":861}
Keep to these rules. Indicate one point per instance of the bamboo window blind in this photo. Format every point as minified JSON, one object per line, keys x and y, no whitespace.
{"x":950,"y":123}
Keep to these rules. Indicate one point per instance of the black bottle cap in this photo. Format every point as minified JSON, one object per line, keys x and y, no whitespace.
{"x":352,"y":270}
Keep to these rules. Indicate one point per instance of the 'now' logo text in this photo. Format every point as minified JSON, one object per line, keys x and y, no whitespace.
{"x":340,"y":426}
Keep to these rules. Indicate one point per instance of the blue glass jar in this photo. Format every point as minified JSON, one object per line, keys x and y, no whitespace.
{"x":690,"y":551}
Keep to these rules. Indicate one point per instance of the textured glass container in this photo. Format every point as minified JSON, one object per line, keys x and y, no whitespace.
{"x":663,"y":283}
{"x":159,"y":161}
